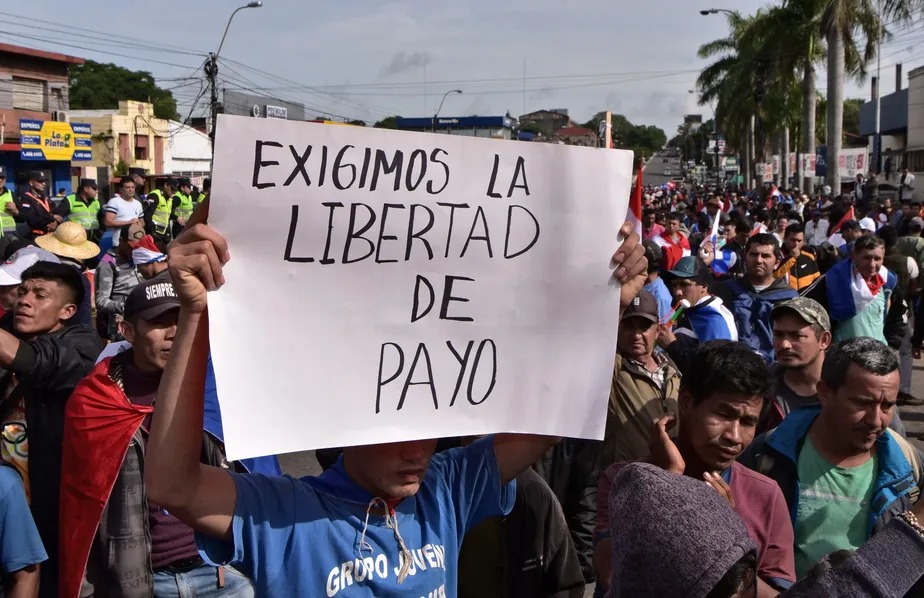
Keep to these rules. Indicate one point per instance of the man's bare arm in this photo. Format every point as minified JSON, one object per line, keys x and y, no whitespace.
{"x":201,"y":496}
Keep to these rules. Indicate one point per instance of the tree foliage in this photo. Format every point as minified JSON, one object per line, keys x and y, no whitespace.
{"x":693,"y":141}
{"x":851,"y":121}
{"x":641,"y":139}
{"x":389,"y":122}
{"x":758,"y":64}
{"x":96,"y":86}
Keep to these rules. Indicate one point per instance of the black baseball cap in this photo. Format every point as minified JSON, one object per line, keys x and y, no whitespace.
{"x":644,"y":305}
{"x":88,"y":183}
{"x":37,"y":175}
{"x":2,"y":171}
{"x":151,"y":299}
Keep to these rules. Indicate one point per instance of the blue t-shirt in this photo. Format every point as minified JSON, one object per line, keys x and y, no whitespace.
{"x":301,"y":537}
{"x":663,"y":295}
{"x":20,"y":543}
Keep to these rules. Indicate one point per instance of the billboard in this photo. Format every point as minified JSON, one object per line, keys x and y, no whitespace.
{"x":55,"y":141}
{"x":259,"y":106}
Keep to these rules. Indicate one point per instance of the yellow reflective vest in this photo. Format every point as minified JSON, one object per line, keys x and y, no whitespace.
{"x":162,"y":211}
{"x":7,"y":222}
{"x":185,"y":209}
{"x":85,"y":214}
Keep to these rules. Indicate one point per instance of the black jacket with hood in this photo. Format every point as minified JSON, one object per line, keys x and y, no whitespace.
{"x":46,"y":369}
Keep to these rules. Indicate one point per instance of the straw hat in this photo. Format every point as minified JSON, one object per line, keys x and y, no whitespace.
{"x":69,"y":240}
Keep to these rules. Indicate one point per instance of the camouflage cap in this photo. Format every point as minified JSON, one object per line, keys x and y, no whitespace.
{"x":808,"y":309}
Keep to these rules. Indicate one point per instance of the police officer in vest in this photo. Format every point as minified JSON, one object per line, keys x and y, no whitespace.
{"x":9,"y":209}
{"x":184,"y":209}
{"x":206,"y":187}
{"x":159,"y":211}
{"x":83,"y":207}
{"x":35,"y":207}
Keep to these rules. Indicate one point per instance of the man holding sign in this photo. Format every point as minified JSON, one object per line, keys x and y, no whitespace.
{"x":386,"y":518}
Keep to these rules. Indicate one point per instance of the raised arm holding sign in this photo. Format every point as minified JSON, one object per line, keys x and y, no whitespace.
{"x":299,"y":537}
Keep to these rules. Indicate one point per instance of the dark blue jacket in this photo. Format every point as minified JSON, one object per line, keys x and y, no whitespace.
{"x":898,"y":481}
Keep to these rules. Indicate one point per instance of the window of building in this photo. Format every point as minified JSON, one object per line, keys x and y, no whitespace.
{"x":141,"y":147}
{"x":29,"y":94}
{"x":124,"y":148}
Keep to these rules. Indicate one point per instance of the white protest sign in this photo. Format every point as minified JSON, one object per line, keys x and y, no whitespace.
{"x":389,"y":286}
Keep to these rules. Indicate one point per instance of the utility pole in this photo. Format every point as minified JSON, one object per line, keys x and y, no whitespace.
{"x":211,"y":72}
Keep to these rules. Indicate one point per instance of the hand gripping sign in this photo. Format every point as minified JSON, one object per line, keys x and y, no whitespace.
{"x":389,"y":286}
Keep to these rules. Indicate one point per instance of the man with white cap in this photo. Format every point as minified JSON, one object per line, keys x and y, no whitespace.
{"x":867,"y":226}
{"x":11,"y":272}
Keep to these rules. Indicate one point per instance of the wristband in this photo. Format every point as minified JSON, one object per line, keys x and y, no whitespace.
{"x":912,"y":520}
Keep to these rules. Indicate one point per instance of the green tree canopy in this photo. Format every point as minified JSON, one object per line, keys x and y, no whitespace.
{"x":98,"y":86}
{"x":851,"y":127}
{"x":389,"y":122}
{"x":641,"y":139}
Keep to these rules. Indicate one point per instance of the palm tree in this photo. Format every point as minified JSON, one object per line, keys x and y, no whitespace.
{"x":842,"y":21}
{"x":731,"y":83}
{"x":793,"y":39}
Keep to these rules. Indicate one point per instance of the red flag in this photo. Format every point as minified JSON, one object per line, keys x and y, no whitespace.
{"x":848,"y":216}
{"x":100,"y":424}
{"x":635,"y":203}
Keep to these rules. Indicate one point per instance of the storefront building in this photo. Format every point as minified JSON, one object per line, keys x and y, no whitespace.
{"x":34,"y":128}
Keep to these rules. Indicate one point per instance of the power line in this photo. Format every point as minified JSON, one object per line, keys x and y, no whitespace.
{"x":383,"y":111}
{"x":104,"y":36}
{"x":16,"y":35}
{"x":260,"y":91}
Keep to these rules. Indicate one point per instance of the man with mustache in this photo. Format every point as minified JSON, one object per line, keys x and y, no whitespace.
{"x":843,"y":473}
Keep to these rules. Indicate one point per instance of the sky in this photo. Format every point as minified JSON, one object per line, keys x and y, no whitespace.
{"x":366,"y":60}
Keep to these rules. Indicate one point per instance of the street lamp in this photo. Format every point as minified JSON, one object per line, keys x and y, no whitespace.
{"x":715,"y":11}
{"x":211,"y":66}
{"x":437,"y":113}
{"x":877,"y":138}
{"x":255,"y":4}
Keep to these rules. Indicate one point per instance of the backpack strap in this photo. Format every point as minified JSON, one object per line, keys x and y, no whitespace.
{"x":913,"y":457}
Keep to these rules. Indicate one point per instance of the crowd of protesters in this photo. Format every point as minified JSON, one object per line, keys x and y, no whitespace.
{"x":753,"y":444}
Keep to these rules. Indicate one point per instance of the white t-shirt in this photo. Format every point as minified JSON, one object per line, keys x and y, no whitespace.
{"x":124,"y":211}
